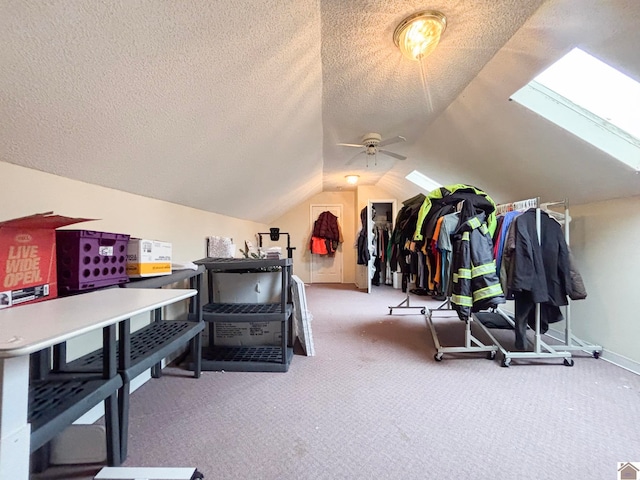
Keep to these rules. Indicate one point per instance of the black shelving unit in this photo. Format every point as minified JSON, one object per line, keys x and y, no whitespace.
{"x":144,"y":348}
{"x":57,"y":399}
{"x":253,"y":358}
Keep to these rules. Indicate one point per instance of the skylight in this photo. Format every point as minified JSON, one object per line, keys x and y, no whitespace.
{"x":424,"y":182}
{"x":592,"y":100}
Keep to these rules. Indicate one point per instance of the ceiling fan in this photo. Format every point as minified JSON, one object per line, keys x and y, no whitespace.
{"x":371,"y":144}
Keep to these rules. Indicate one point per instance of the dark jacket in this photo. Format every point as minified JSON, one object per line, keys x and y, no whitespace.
{"x":326,"y":226}
{"x":540,"y":268}
{"x":403,"y":231}
{"x":577,"y":291}
{"x":363,"y":248}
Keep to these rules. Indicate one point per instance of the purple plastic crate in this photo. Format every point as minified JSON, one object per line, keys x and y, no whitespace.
{"x":88,"y":259}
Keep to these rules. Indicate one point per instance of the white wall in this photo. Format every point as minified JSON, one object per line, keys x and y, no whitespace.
{"x":25,"y":191}
{"x":604,"y":240}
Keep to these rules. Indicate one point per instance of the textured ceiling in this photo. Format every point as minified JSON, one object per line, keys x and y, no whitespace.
{"x":237,"y":107}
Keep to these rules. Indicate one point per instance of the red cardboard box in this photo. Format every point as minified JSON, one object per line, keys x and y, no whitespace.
{"x":28,"y":258}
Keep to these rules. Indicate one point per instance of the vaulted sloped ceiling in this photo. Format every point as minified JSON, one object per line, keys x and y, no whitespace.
{"x":486,"y":140}
{"x":215,"y":105}
{"x":237,"y":107}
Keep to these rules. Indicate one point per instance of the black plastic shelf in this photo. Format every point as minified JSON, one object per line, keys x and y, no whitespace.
{"x":246,"y":359}
{"x":246,"y":312}
{"x":59,"y":400}
{"x":227,"y":264}
{"x":149,"y":345}
{"x":253,"y":358}
{"x":162,"y":280}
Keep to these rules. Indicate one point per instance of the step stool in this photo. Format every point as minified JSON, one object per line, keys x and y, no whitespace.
{"x":153,"y":473}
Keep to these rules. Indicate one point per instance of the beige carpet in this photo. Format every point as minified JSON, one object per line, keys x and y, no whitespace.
{"x":374,"y":404}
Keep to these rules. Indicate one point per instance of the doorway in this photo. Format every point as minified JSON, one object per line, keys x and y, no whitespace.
{"x":381,"y":215}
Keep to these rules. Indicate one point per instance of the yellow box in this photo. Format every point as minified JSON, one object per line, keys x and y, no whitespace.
{"x":148,"y":258}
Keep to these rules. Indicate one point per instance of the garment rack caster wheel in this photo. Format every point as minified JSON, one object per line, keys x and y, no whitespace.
{"x":568,"y":362}
{"x":506,"y":362}
{"x":391,"y":311}
{"x":438,"y":357}
{"x":596,"y":354}
{"x":491,"y":355}
{"x":423,"y":311}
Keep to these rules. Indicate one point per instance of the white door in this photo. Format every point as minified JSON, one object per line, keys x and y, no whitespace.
{"x":325,"y":268}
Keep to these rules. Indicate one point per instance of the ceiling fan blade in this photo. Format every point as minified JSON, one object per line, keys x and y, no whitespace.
{"x":394,"y":155}
{"x":350,"y":145}
{"x":352,"y":159}
{"x":389,"y":141}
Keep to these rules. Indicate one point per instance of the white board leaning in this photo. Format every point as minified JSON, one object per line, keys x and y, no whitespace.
{"x":302,"y":317}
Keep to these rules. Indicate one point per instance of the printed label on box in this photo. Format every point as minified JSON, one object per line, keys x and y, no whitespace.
{"x":247,"y":333}
{"x":16,"y":297}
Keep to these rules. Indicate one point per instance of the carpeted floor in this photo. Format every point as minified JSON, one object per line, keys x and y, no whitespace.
{"x":374,"y":404}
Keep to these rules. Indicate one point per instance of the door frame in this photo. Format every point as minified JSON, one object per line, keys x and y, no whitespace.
{"x":370,"y":202}
{"x":326,"y":206}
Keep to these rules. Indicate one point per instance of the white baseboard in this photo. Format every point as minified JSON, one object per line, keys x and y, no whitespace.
{"x":621,"y":361}
{"x":607,"y":355}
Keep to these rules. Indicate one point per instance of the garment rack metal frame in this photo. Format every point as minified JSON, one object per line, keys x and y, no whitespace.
{"x":542,"y":349}
{"x":471,"y":343}
{"x":571,"y":342}
{"x":405,"y":304}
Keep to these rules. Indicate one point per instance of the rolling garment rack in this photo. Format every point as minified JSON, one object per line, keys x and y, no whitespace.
{"x":471,"y":343}
{"x":541,"y":349}
{"x":406,"y":303}
{"x":571,"y":342}
{"x":407,"y":217}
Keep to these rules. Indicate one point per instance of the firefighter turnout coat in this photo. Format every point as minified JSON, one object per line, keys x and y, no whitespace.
{"x":476,"y":285}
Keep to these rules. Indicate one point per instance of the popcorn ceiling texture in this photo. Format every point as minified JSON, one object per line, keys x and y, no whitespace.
{"x":237,"y":107}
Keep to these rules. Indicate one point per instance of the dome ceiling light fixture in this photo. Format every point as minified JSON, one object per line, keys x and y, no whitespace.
{"x":418,"y":34}
{"x":352,"y":179}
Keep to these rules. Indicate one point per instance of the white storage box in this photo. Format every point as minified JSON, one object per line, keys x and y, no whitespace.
{"x":79,"y":444}
{"x":148,"y":258}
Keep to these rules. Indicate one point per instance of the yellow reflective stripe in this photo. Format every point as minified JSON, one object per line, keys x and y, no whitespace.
{"x":483,"y":269}
{"x":474,"y":222}
{"x":455,"y":278}
{"x":462,"y":300}
{"x":484,"y":229}
{"x":464,"y":273}
{"x":486,"y":292}
{"x":465,"y":236}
